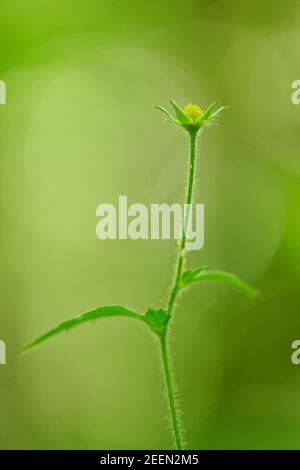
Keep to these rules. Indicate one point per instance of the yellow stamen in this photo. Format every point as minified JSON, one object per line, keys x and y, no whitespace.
{"x":193,"y":111}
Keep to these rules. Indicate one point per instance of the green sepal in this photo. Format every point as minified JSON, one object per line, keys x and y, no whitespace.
{"x":170,"y":118}
{"x":182,"y":118}
{"x":217,"y":112}
{"x":209,"y":111}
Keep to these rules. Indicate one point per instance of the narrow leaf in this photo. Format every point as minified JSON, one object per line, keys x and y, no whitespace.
{"x":92,"y":315}
{"x":216,"y":113}
{"x":218,"y":276}
{"x":169,"y":116}
{"x":182,"y":118}
{"x":209,"y":110}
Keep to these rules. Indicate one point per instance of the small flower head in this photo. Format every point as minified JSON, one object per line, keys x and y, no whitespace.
{"x":193,"y":112}
{"x":192,"y":117}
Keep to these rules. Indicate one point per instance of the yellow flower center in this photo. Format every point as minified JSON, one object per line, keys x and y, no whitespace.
{"x":193,"y":112}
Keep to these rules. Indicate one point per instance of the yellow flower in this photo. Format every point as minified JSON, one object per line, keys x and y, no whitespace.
{"x":193,"y":112}
{"x":192,"y":117}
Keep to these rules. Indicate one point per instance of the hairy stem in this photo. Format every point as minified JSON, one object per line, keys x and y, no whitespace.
{"x":188,"y":201}
{"x":177,"y":430}
{"x":170,"y":392}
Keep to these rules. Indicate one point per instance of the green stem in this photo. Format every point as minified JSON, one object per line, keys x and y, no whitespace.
{"x":177,"y":430}
{"x":188,"y":201}
{"x":170,"y":392}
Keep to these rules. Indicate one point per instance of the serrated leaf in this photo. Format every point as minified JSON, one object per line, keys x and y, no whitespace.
{"x":157,"y":320}
{"x":92,"y":315}
{"x":182,"y":118}
{"x":191,"y":277}
{"x":169,"y":115}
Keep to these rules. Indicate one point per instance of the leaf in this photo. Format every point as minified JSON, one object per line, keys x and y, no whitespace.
{"x":182,"y":118}
{"x":215,"y":114}
{"x":169,"y":116}
{"x":209,"y":110}
{"x":92,"y":315}
{"x":191,"y":277}
{"x":157,"y":320}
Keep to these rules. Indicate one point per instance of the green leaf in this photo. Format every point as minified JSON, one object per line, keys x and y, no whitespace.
{"x":216,"y":113}
{"x":182,"y":118}
{"x":157,"y":320}
{"x":92,"y":315}
{"x":191,"y":277}
{"x":209,"y":111}
{"x":169,"y":116}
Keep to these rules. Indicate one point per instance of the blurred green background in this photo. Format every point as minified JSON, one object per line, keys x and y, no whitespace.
{"x":78,"y":129}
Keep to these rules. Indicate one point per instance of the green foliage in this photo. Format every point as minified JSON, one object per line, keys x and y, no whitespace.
{"x":200,"y":275}
{"x":190,"y":276}
{"x":196,"y":120}
{"x":92,"y":315}
{"x":216,"y":113}
{"x":210,"y":109}
{"x":157,"y":320}
{"x":182,"y":118}
{"x":170,"y":118}
{"x":192,"y":118}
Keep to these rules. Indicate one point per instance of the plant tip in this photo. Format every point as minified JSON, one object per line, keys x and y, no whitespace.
{"x":192,"y":117}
